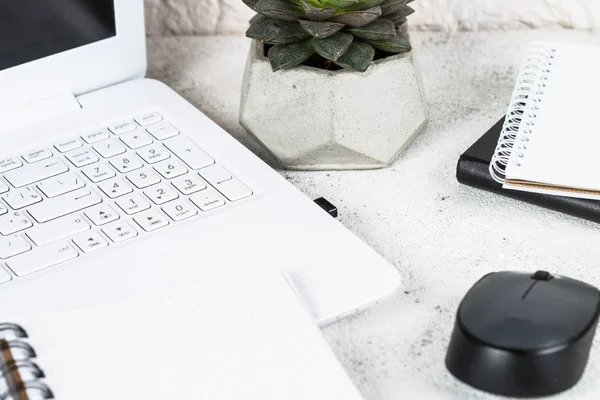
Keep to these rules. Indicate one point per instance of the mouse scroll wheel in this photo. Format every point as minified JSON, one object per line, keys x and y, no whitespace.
{"x":542,"y":276}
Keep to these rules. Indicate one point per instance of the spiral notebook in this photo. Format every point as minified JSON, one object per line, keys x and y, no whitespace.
{"x":244,"y":337}
{"x":551,"y":137}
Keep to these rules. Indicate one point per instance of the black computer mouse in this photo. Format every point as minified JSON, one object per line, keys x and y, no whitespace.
{"x":524,"y":334}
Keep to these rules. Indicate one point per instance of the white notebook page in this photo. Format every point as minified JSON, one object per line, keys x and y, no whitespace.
{"x":564,"y":142}
{"x":244,"y":337}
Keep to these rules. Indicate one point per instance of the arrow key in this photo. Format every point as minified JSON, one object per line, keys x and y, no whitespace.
{"x":90,"y":241}
{"x":151,"y":220}
{"x":119,"y":231}
{"x":101,"y":214}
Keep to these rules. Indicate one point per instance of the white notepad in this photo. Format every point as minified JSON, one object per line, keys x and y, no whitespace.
{"x":551,"y":138}
{"x":244,"y":337}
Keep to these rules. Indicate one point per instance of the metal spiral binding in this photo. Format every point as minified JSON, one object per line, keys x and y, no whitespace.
{"x":522,"y":112}
{"x":29,"y":384}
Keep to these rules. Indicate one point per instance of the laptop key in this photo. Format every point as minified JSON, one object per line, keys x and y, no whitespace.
{"x":208,"y":199}
{"x":153,"y":154}
{"x":8,"y":164}
{"x":189,"y":152}
{"x":101,"y":214}
{"x":161,"y":194}
{"x":115,"y":188}
{"x":90,"y":241}
{"x":68,"y":145}
{"x":63,"y":205}
{"x":14,"y":222}
{"x":133,"y":204}
{"x":98,"y":172}
{"x":61,"y":184}
{"x":148,"y":118}
{"x":20,"y":198}
{"x":170,"y":169}
{"x":135,"y":139}
{"x":119,"y":231}
{"x":35,"y":172}
{"x":58,"y":229}
{"x":151,"y":220}
{"x":96,"y":136}
{"x":122,"y":127}
{"x":109,"y":148}
{"x":189,"y":183}
{"x":126,"y":163}
{"x":143,"y":179}
{"x":179,"y":210}
{"x":234,"y":190}
{"x":37,"y":155}
{"x":42,"y":258}
{"x":13,"y":245}
{"x":162,"y":130}
{"x":215,"y":174}
{"x":81,"y":158}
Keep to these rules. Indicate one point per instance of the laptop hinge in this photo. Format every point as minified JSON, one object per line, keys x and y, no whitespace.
{"x":28,"y":114}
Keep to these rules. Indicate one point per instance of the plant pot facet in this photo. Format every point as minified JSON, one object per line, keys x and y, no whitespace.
{"x":313,"y":119}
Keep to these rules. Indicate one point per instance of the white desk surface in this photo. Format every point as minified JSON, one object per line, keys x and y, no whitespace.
{"x":442,"y":236}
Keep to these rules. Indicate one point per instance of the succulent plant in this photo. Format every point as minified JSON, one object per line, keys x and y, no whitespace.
{"x":346,"y":33}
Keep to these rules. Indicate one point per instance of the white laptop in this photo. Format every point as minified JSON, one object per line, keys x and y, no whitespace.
{"x":112,"y":185}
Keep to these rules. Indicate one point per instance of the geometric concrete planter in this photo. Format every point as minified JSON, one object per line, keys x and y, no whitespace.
{"x":313,"y":119}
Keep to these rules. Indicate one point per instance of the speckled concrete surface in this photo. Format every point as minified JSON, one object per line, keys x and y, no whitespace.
{"x":441,"y":236}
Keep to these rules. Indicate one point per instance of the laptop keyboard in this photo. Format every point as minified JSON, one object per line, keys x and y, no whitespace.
{"x":105,"y":187}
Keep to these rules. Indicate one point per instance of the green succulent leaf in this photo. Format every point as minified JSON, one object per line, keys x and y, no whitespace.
{"x":274,"y":31}
{"x":358,"y":57}
{"x":250,"y":3}
{"x":317,"y":13}
{"x":279,"y":9}
{"x":339,"y":4}
{"x":333,"y":47}
{"x":358,"y":18}
{"x":289,"y":55}
{"x":401,"y":13}
{"x":365,"y":4}
{"x":392,"y":6}
{"x":398,"y":44}
{"x":389,"y":6}
{"x":398,"y":20}
{"x":406,"y":11}
{"x":314,"y":3}
{"x":380,"y":29}
{"x":321,"y":30}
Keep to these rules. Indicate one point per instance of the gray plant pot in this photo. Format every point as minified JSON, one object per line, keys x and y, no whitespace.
{"x":313,"y":119}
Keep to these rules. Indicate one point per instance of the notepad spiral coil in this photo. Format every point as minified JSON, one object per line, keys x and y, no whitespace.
{"x":20,"y":377}
{"x":522,"y":112}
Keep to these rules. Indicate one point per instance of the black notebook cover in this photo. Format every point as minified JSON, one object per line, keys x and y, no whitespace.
{"x":473,"y":170}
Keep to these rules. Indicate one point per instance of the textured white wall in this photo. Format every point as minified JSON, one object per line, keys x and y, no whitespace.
{"x":193,"y":17}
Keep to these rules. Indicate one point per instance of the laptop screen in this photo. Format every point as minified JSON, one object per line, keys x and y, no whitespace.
{"x":34,"y":29}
